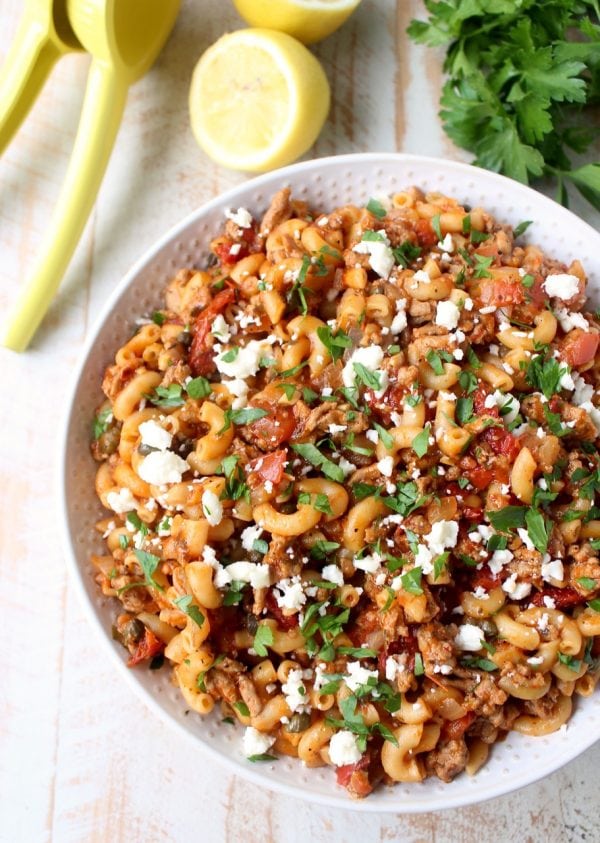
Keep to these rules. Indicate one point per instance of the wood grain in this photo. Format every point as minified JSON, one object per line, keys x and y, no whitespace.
{"x":80,"y":758}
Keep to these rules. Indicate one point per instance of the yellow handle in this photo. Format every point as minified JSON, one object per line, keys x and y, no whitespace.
{"x":100,"y":119}
{"x":27,"y":65}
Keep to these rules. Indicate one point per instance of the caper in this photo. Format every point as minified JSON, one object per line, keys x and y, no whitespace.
{"x":144,"y":449}
{"x":299,"y":722}
{"x":251,"y":624}
{"x":184,"y":337}
{"x":109,"y":441}
{"x":133,"y":631}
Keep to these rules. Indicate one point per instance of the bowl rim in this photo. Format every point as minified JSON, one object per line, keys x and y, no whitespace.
{"x":435,"y":802}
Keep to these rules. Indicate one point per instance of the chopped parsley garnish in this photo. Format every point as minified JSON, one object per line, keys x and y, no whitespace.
{"x":363,"y":490}
{"x":260,"y":546}
{"x":102,"y":422}
{"x":321,"y":549}
{"x":246,"y":415}
{"x":372,"y":380}
{"x":508,"y":518}
{"x":311,"y":454}
{"x":235,"y":483}
{"x":334,"y":343}
{"x":479,"y":236}
{"x":570,"y":661}
{"x":289,"y":389}
{"x":464,"y":410}
{"x":539,"y":529}
{"x":148,"y":563}
{"x":588,"y":583}
{"x":198,"y":388}
{"x":167,"y":396}
{"x":298,"y":290}
{"x":554,"y":422}
{"x":320,"y":502}
{"x":234,"y":593}
{"x":184,"y":604}
{"x":419,"y":668}
{"x":262,"y":639}
{"x":262,"y":756}
{"x":406,"y":499}
{"x":358,"y":652}
{"x":242,"y":708}
{"x":544,"y":374}
{"x":436,"y":360}
{"x":482,"y":264}
{"x":309,"y":395}
{"x":376,"y":208}
{"x":420,"y":443}
{"x":435,"y":224}
{"x":158,"y":317}
{"x":521,"y":228}
{"x":468,"y":381}
{"x":411,"y":581}
{"x":406,"y":253}
{"x":386,"y":438}
{"x":480,"y":664}
{"x":231,"y":355}
{"x":528,"y":281}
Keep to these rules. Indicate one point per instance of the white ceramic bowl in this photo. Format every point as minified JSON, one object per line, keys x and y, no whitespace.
{"x":325,"y":183}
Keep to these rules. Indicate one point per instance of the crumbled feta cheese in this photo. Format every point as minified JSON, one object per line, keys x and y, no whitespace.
{"x":535,"y":660}
{"x":561,"y":286}
{"x":155,"y":436}
{"x":593,"y":413}
{"x":505,"y":402}
{"x":242,"y":217}
{"x":420,"y":277}
{"x":295,"y":690}
{"x":447,"y":244}
{"x":121,"y":501}
{"x":553,"y":570}
{"x":469,"y":637}
{"x":346,"y":466}
{"x":444,"y":534}
{"x":257,"y":575}
{"x":289,"y":594}
{"x":524,"y":536}
{"x":549,"y":602}
{"x":447,"y":315}
{"x":220,"y":328}
{"x":423,"y":559}
{"x":399,"y":321}
{"x":358,"y":675}
{"x":372,"y":436}
{"x":499,"y":559}
{"x":370,"y":357}
{"x":239,"y":388}
{"x":337,"y":428}
{"x":568,"y":321}
{"x":212,"y":508}
{"x":162,"y":467}
{"x":343,"y":749}
{"x":583,"y":390}
{"x":246,"y":362}
{"x":368,"y":564}
{"x":516,"y":590}
{"x":381,"y":257}
{"x":480,"y":593}
{"x":566,"y":382}
{"x":255,"y":742}
{"x":331,"y":573}
{"x":250,"y":535}
{"x":386,"y":466}
{"x":393,"y":666}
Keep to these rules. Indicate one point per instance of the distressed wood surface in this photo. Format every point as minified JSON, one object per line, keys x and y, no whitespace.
{"x":80,"y":758}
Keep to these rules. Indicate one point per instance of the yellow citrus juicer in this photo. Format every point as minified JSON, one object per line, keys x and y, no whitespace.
{"x":124,"y":37}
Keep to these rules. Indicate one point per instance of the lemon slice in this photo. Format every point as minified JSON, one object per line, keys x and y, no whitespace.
{"x":258,"y":100}
{"x":307,"y":20}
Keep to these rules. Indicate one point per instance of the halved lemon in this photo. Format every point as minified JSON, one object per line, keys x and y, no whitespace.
{"x":306,"y":20}
{"x":258,"y":100}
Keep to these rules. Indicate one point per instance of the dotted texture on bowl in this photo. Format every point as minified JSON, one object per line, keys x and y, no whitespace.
{"x":324,"y":184}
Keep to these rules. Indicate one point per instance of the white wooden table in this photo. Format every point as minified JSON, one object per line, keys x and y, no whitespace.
{"x":81,"y":759}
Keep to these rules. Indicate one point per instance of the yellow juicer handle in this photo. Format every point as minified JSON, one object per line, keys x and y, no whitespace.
{"x":103,"y":106}
{"x":34,"y":51}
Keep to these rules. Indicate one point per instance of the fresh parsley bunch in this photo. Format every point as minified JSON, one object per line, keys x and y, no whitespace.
{"x":523,"y":76}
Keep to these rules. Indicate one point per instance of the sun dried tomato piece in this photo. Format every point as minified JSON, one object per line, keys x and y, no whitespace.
{"x":481,"y":477}
{"x":268,"y":468}
{"x":453,"y":730}
{"x":284,"y":621}
{"x":147,"y":647}
{"x":502,"y":442}
{"x":272,"y":430}
{"x":201,"y":357}
{"x":562,"y":597}
{"x":579,"y":347}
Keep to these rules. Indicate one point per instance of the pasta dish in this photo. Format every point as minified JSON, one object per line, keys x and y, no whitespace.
{"x":351,"y":466}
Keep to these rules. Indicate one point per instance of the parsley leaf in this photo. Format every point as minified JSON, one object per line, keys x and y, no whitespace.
{"x":376,"y":208}
{"x":464,"y":410}
{"x":262,"y":638}
{"x":386,"y":438}
{"x":321,"y":549}
{"x":102,"y":421}
{"x":544,"y":374}
{"x":521,"y":228}
{"x":246,"y":415}
{"x":148,"y":563}
{"x":167,"y":396}
{"x":538,"y":528}
{"x":184,"y":604}
{"x":372,"y":380}
{"x":311,"y":454}
{"x":435,"y":358}
{"x":334,"y":343}
{"x":411,"y":581}
{"x":508,"y":518}
{"x":406,"y":253}
{"x":420,"y":443}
